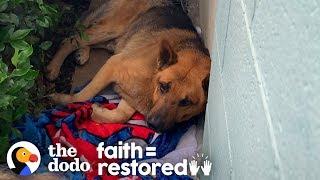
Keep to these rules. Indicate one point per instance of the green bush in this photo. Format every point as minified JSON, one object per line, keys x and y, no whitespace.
{"x":23,"y":25}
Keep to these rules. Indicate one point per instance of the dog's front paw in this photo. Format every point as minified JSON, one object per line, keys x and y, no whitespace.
{"x":98,"y":114}
{"x":52,"y":72}
{"x":96,"y":110}
{"x":61,"y":98}
{"x":82,"y":55}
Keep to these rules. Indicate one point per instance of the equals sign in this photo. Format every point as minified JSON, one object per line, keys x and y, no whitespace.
{"x":151,"y":151}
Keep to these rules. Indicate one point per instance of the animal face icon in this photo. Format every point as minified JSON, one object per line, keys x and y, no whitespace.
{"x":23,"y":158}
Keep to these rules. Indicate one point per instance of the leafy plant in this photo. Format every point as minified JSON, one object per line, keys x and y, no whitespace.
{"x":23,"y":25}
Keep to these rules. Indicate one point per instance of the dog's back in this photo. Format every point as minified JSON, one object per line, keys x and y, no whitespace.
{"x":98,"y":9}
{"x":163,"y":20}
{"x":158,"y":15}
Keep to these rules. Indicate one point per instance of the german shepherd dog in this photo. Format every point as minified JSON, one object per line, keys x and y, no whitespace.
{"x":160,"y":66}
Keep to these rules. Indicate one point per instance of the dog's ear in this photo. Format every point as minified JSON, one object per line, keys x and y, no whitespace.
{"x":167,"y":56}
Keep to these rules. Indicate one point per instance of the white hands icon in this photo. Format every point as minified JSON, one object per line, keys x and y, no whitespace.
{"x":194,"y":168}
{"x":206,"y":168}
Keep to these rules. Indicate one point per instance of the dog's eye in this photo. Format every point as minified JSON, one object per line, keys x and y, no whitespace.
{"x":184,"y":102}
{"x":164,"y":87}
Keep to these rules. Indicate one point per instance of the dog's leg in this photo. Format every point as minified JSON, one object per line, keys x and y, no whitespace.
{"x":96,"y":34}
{"x":109,"y":26}
{"x":108,"y":46}
{"x":105,"y":76}
{"x":119,"y":115}
{"x":82,"y":55}
{"x":67,"y":46}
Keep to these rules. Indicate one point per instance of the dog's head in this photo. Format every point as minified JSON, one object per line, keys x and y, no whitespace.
{"x":180,"y":87}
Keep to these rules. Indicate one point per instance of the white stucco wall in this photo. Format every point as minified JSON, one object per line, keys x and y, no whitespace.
{"x":263,"y":113}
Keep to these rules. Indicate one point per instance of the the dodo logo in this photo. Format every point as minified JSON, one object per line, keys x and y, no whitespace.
{"x":23,"y":158}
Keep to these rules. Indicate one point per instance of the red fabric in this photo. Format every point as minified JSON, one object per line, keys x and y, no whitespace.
{"x":82,"y":121}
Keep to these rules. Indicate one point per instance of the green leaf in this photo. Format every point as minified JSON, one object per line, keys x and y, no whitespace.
{"x":15,"y":57}
{"x":9,"y":18}
{"x":5,"y":128}
{"x":31,"y":75}
{"x":47,"y":9}
{"x":4,"y":145}
{"x":19,"y":72}
{"x":16,"y":133}
{"x":40,"y":2}
{"x":7,"y":115}
{"x":20,"y":44}
{"x":3,"y":5}
{"x":20,"y":34}
{"x":26,"y":53}
{"x":29,"y":84}
{"x":84,"y":36}
{"x":17,"y":87}
{"x":3,"y":76}
{"x":16,"y":2}
{"x":43,"y":9}
{"x":3,"y":71}
{"x":43,"y":22}
{"x":2,"y":47}
{"x":6,"y":100}
{"x":3,"y":66}
{"x":6,"y":33}
{"x":21,"y":57}
{"x":45,"y":45}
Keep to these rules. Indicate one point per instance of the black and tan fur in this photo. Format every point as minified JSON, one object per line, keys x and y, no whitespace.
{"x":160,"y":66}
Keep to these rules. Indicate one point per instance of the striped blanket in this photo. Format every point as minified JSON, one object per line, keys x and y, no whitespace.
{"x":71,"y":125}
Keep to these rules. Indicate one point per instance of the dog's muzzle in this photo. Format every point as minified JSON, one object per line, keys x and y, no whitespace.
{"x":155,"y":123}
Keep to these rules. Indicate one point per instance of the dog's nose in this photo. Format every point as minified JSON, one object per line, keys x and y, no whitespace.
{"x":152,"y":126}
{"x":155,"y":124}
